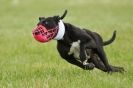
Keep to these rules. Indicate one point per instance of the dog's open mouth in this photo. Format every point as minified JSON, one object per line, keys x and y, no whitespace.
{"x":43,"y":35}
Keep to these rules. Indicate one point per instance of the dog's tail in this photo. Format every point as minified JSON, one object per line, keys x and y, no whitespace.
{"x":110,"y":40}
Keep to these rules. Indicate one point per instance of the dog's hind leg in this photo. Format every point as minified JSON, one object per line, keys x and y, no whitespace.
{"x":99,"y":64}
{"x":103,"y":58}
{"x":117,"y":69}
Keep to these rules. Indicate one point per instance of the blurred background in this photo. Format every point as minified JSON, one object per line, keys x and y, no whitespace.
{"x":26,"y":63}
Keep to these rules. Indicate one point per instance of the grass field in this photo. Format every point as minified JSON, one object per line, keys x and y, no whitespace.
{"x":25,"y":63}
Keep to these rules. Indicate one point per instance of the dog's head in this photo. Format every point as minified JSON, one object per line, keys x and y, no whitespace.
{"x":48,"y":28}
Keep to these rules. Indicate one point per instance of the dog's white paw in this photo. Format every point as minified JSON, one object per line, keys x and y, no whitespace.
{"x":85,"y":62}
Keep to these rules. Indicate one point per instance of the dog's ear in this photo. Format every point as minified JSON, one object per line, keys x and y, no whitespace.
{"x":63,"y":14}
{"x":41,"y":18}
{"x":56,"y":18}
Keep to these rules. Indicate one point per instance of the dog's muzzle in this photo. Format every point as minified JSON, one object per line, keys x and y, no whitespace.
{"x":43,"y":35}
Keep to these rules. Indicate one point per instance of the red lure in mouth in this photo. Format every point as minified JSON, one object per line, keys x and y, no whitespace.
{"x":43,"y":35}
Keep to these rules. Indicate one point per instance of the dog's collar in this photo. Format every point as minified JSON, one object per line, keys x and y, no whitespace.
{"x":61,"y":31}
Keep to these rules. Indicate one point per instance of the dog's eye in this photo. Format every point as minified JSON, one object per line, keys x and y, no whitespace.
{"x":46,"y":22}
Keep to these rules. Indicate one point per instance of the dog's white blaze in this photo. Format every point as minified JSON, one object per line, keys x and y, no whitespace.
{"x":75,"y":49}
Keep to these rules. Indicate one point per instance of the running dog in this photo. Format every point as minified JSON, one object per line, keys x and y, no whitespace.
{"x":80,"y":47}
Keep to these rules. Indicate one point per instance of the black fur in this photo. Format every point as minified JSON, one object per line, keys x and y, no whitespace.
{"x":88,"y":40}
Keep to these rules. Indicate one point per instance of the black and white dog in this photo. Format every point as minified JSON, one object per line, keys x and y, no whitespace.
{"x":80,"y":47}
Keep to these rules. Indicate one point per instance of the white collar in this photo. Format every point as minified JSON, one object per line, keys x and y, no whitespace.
{"x":61,"y":31}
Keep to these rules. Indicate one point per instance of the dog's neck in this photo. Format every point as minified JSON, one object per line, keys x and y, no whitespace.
{"x":61,"y":31}
{"x":67,"y":35}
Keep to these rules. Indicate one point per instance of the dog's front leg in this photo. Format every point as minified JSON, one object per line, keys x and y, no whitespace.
{"x":83,"y":57}
{"x":73,"y":61}
{"x":82,"y":52}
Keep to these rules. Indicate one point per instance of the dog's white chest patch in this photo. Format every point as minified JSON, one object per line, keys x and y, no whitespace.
{"x":75,"y":49}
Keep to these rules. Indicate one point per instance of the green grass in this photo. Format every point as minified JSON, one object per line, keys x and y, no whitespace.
{"x":25,"y":63}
